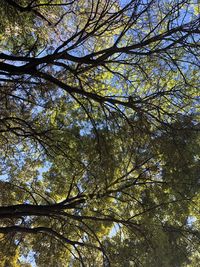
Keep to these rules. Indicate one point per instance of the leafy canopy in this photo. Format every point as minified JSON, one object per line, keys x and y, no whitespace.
{"x":99,"y":133}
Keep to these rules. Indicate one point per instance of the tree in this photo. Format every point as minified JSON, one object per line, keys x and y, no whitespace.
{"x":99,"y":132}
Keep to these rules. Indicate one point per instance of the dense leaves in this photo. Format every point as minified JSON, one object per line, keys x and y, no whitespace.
{"x":99,"y":133}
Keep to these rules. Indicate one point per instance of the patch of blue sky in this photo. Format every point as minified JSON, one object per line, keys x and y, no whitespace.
{"x":114,"y":230}
{"x":29,"y":258}
{"x":3,"y":177}
{"x":44,"y":169}
{"x":191,"y":220}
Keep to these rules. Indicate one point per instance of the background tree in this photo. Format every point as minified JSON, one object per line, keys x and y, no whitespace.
{"x":99,"y":132}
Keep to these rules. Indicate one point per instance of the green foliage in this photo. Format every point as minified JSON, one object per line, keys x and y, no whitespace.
{"x":99,"y":133}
